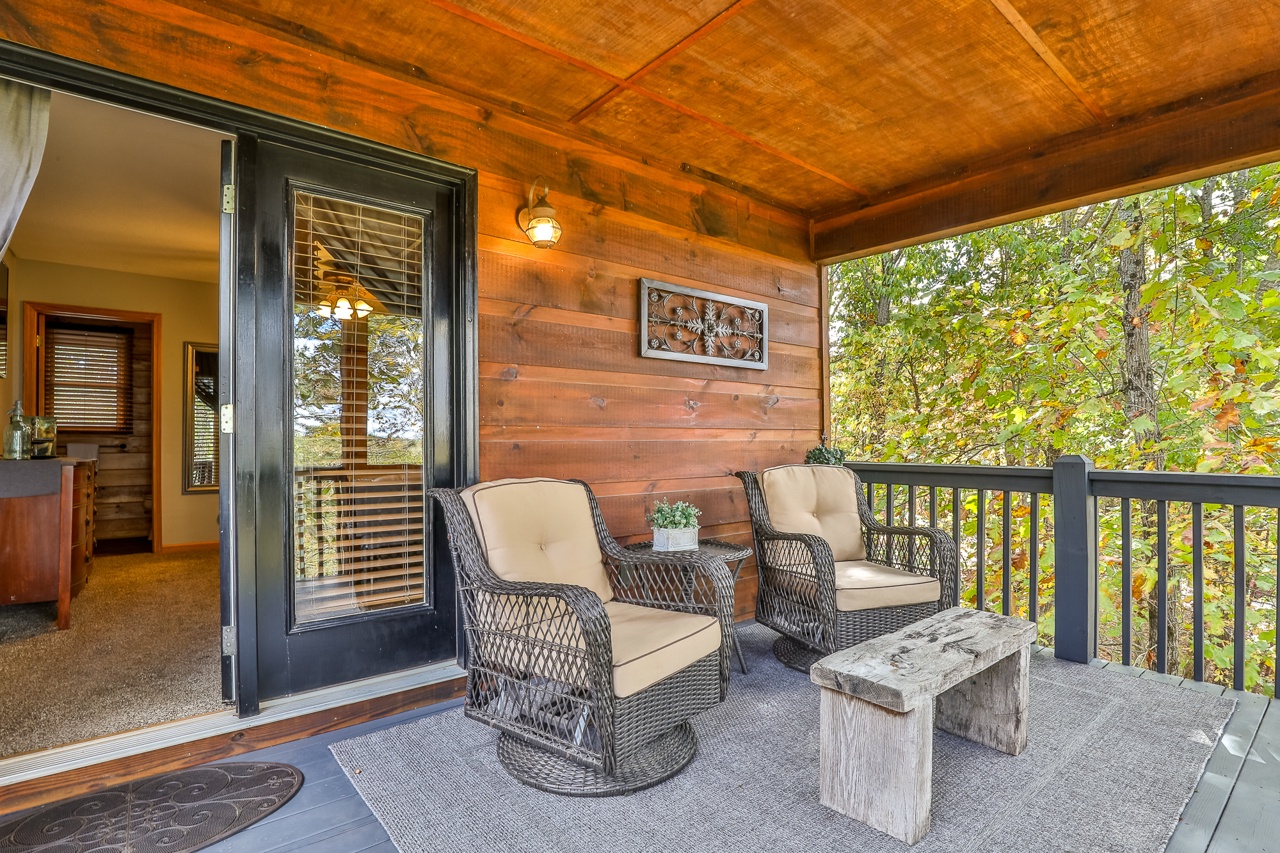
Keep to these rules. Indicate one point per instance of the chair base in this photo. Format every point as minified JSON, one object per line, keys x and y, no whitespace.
{"x":657,"y":761}
{"x":795,"y":654}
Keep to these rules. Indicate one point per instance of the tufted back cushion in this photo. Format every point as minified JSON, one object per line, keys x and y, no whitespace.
{"x":538,"y":530}
{"x":818,"y":499}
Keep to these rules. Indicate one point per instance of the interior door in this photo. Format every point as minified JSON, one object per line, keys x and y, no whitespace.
{"x":356,"y":411}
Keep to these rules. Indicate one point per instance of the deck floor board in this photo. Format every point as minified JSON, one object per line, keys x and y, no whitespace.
{"x":1232,"y":810}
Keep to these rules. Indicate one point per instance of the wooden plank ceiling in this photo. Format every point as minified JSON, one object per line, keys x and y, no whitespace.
{"x":832,"y":108}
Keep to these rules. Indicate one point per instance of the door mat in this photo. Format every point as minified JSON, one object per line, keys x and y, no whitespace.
{"x":176,"y":812}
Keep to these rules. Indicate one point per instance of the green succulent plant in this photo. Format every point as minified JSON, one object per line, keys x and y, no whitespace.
{"x":823,"y":455}
{"x":676,"y":515}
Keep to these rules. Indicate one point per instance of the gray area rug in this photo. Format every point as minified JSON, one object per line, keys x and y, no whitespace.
{"x":143,"y":648}
{"x":1111,"y":761}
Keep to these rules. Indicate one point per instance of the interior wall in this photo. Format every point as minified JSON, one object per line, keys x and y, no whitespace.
{"x":563,"y":389}
{"x":189,"y":312}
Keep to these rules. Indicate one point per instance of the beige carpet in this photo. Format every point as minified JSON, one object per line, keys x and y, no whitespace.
{"x":142,"y":649}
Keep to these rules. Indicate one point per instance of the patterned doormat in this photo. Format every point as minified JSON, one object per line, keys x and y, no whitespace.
{"x":175,"y":812}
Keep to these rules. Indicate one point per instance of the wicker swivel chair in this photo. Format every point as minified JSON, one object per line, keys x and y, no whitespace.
{"x":830,"y":576}
{"x":588,"y":658}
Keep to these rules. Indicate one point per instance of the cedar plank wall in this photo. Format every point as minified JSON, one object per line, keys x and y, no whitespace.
{"x":563,"y":391}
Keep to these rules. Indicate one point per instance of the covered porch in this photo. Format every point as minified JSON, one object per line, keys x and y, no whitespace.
{"x":733,"y":149}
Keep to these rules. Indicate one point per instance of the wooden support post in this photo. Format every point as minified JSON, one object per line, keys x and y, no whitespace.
{"x":1076,"y":552}
{"x":876,"y":765}
{"x":990,"y":707}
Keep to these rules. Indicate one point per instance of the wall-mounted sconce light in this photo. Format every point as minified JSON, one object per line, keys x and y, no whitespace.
{"x":538,"y":218}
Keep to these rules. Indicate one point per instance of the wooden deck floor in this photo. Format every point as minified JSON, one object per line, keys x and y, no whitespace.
{"x":1235,"y":808}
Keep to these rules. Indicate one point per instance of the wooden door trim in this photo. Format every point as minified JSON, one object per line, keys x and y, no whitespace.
{"x":34,"y":312}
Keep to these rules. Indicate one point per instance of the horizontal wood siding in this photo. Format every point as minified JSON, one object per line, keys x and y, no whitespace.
{"x":565,"y":393}
{"x":563,"y":389}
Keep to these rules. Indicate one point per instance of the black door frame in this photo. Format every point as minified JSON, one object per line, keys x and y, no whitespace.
{"x":41,"y":68}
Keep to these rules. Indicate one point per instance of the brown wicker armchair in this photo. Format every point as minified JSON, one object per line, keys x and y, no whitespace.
{"x":830,"y":576}
{"x":590,"y":659}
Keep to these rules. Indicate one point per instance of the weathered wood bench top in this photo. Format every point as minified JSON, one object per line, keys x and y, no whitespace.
{"x":909,"y":667}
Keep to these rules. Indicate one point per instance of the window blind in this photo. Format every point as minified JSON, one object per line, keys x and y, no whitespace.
{"x":359,"y":408}
{"x":88,"y":379}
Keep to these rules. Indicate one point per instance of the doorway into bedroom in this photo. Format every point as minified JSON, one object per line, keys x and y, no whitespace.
{"x":114,"y":274}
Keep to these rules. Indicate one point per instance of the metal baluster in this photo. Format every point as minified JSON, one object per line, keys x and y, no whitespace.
{"x":911,"y":522}
{"x":1162,"y":586}
{"x":982,"y":549}
{"x":888,"y":504}
{"x":1237,"y":676}
{"x":1006,"y":564}
{"x":1126,"y":582}
{"x":933,"y":506}
{"x":955,"y":537}
{"x":1197,"y":587}
{"x":1033,"y":545}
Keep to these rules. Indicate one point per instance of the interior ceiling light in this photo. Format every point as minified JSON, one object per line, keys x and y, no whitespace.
{"x":538,"y":218}
{"x":341,"y":296}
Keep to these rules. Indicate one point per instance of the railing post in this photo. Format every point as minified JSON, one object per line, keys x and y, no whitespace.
{"x":1075,"y":561}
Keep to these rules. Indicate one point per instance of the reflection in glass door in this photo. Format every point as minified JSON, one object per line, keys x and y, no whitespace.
{"x":359,"y":408}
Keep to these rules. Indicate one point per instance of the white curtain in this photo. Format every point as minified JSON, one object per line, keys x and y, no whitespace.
{"x":24,"y":125}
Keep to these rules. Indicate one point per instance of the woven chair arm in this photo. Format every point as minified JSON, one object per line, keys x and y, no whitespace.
{"x":902,"y":547}
{"x":568,"y":618}
{"x":688,"y":581}
{"x":816,"y":553}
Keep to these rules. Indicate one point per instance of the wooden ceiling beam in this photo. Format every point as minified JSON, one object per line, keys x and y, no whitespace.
{"x":1232,"y":129}
{"x":660,"y":60}
{"x":626,"y":85}
{"x":1032,"y":38}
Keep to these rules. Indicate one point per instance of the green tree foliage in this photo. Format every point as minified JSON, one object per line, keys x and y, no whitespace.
{"x":1014,"y":345}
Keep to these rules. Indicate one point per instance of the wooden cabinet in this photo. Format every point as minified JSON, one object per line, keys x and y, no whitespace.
{"x":84,"y":485}
{"x":37,"y":497}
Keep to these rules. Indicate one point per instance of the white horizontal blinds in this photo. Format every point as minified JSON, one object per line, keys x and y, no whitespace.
{"x":88,"y":378}
{"x":359,"y":406}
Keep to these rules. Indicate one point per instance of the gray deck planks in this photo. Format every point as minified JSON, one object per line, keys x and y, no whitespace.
{"x":1251,"y":820}
{"x":1203,"y":813}
{"x":327,"y":814}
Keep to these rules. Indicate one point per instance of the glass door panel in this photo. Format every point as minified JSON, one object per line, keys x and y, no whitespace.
{"x":359,"y":408}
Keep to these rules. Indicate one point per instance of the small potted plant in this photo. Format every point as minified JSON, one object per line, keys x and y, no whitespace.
{"x":824,"y":455}
{"x":675,"y":526}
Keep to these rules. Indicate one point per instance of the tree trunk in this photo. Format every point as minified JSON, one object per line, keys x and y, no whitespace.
{"x":889,"y":263}
{"x":1141,"y":401}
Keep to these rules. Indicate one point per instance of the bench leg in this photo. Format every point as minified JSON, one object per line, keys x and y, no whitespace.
{"x":991,"y":707}
{"x":876,"y":765}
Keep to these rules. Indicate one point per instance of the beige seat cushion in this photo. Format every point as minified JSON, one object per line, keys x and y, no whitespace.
{"x":862,"y":585}
{"x":538,"y":530}
{"x":650,"y":644}
{"x":821,"y":500}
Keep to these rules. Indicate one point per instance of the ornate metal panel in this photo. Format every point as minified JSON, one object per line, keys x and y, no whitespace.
{"x":685,"y":324}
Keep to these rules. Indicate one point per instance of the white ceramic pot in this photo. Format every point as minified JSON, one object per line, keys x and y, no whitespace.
{"x":675,"y":538}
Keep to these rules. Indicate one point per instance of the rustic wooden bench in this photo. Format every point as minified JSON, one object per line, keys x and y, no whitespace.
{"x":965,"y":670}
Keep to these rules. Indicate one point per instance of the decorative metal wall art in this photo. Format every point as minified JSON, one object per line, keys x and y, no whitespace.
{"x":685,"y":324}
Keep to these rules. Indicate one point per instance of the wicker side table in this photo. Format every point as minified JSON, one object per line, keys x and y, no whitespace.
{"x":733,"y":555}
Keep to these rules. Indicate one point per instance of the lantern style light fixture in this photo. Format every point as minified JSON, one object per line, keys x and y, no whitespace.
{"x":538,"y":218}
{"x":341,"y":295}
{"x":344,"y":302}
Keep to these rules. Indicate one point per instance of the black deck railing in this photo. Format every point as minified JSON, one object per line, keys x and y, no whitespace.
{"x":1106,"y":562}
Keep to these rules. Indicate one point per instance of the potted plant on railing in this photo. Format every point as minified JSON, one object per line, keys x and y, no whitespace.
{"x":675,"y":526}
